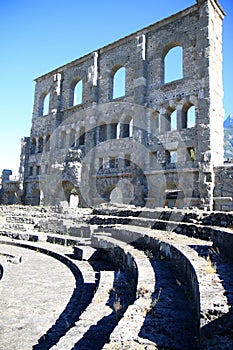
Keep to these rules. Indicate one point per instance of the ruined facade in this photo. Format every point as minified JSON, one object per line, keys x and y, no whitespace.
{"x":111,"y":126}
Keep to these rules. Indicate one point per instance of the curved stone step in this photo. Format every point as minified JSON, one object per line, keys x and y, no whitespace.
{"x":95,"y":311}
{"x":206,"y":286}
{"x":203,"y":272}
{"x":86,"y":293}
{"x":156,"y":326}
{"x":143,"y":273}
{"x":221,"y":219}
{"x":184,"y":228}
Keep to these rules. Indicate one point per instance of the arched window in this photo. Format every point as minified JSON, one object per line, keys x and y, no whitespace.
{"x":102,"y":132}
{"x":40,"y":144}
{"x":114,"y":130}
{"x":30,"y":171}
{"x":127,"y":128}
{"x":77,"y":93}
{"x":170,"y":122}
{"x":45,"y":105}
{"x":188,"y":116}
{"x":33,"y":146}
{"x":119,"y":83}
{"x":173,"y":120}
{"x":38,"y":170}
{"x":173,"y":64}
{"x":191,"y":119}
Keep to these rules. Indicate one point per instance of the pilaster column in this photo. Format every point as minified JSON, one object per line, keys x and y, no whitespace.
{"x":180,"y":121}
{"x":140,"y":68}
{"x":37,"y":145}
{"x":67,"y":141}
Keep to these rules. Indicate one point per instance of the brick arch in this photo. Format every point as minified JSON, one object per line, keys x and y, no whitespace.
{"x":108,"y":191}
{"x":116,"y":67}
{"x":169,"y":47}
{"x":67,"y":187}
{"x":134,"y":187}
{"x":64,"y":189}
{"x":75,"y":81}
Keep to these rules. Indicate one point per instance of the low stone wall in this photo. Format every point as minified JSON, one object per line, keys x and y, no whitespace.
{"x":182,"y":264}
{"x":184,"y":269}
{"x":115,"y":253}
{"x":142,"y":286}
{"x":194,"y":215}
{"x":223,"y":190}
{"x":223,"y":240}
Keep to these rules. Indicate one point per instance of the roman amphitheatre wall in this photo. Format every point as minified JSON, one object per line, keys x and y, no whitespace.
{"x":147,"y":127}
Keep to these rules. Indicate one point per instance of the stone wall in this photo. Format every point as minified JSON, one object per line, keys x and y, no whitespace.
{"x":130,"y":143}
{"x":10,"y":190}
{"x":223,"y":191}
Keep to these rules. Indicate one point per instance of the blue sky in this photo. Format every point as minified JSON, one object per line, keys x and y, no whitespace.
{"x":38,"y":36}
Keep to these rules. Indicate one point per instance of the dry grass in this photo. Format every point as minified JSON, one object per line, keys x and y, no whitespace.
{"x":211,"y":267}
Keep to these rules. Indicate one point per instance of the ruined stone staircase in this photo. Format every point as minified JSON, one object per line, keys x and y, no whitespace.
{"x":158,"y":279}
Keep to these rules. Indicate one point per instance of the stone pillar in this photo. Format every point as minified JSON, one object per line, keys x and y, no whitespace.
{"x":140,"y":68}
{"x":148,"y":118}
{"x":121,"y":160}
{"x":97,"y":135}
{"x":164,"y":121}
{"x":67,"y":142}
{"x":108,"y":131}
{"x":37,"y":145}
{"x":57,"y":80}
{"x":96,"y":163}
{"x":76,"y":136}
{"x":180,"y":123}
{"x":92,"y":79}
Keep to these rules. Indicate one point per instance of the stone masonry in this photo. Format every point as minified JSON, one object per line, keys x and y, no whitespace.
{"x":135,"y":278}
{"x":157,"y":143}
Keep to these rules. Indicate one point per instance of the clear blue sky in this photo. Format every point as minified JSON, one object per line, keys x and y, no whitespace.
{"x":38,"y":36}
